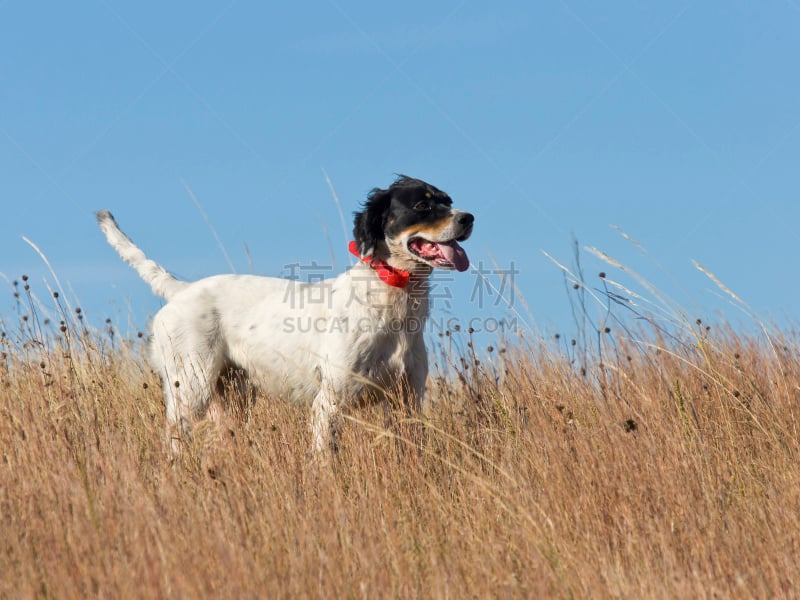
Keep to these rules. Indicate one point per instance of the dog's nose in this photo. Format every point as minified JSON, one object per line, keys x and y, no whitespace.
{"x":466,"y":219}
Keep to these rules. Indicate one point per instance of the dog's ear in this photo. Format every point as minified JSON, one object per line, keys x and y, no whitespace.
{"x":370,"y":222}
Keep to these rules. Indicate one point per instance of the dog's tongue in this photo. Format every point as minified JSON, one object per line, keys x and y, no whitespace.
{"x":454,"y":253}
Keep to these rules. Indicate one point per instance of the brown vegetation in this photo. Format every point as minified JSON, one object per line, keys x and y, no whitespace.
{"x":649,"y":463}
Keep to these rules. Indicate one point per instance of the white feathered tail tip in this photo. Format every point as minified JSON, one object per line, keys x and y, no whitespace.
{"x":160,"y":280}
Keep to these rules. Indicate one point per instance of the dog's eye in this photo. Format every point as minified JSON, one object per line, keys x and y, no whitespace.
{"x":422,"y":206}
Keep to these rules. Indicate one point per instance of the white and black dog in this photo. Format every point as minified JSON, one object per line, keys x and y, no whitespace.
{"x":349,"y":339}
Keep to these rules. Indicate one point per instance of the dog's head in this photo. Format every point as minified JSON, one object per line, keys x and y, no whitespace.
{"x":413,"y":226}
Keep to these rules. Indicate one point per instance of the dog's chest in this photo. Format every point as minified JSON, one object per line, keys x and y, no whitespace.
{"x":391,"y":345}
{"x":382,"y":352}
{"x":382,"y":362}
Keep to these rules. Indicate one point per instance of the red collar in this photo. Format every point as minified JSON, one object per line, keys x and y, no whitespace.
{"x":386,"y":273}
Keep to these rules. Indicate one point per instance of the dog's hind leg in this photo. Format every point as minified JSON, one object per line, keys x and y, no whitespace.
{"x":189,"y":365}
{"x":188,"y":386}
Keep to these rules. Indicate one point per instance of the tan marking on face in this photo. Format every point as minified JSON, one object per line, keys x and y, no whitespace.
{"x":428,"y":195}
{"x":430,"y":231}
{"x":401,"y":258}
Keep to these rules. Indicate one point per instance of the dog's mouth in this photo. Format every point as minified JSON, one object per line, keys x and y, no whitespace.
{"x":445,"y":255}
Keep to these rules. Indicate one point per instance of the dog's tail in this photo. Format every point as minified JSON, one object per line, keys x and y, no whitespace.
{"x":162,"y":283}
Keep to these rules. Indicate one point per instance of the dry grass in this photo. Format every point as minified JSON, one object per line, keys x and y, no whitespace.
{"x":669,"y":469}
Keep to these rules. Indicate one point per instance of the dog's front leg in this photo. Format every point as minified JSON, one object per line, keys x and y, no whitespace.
{"x":323,"y":410}
{"x":417,"y":375}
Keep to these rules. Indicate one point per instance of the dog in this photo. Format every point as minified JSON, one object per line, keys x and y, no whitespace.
{"x":355,"y":338}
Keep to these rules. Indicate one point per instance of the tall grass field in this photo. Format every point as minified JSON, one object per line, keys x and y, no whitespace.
{"x":652,"y":456}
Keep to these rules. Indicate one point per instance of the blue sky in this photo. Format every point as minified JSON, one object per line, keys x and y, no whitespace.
{"x":678,"y":122}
